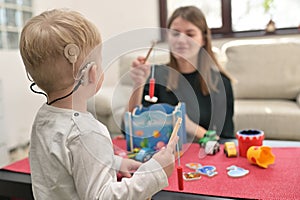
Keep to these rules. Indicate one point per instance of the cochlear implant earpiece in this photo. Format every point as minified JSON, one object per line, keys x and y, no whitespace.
{"x":71,"y":52}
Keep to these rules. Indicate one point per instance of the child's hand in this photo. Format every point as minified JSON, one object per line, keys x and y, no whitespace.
{"x":165,"y":157}
{"x":129,"y":166}
{"x":140,"y":71}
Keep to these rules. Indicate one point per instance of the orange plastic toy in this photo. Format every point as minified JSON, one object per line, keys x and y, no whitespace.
{"x":261,"y":156}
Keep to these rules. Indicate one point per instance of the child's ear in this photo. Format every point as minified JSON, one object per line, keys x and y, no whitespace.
{"x":85,"y":74}
{"x":93,"y":74}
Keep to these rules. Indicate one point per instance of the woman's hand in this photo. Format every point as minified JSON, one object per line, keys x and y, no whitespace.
{"x":140,"y":71}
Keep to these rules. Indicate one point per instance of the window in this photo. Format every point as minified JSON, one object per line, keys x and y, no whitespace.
{"x":211,"y":8}
{"x":13,"y":16}
{"x":238,"y":18}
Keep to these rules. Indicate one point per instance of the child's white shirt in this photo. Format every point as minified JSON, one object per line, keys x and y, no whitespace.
{"x":71,"y":157}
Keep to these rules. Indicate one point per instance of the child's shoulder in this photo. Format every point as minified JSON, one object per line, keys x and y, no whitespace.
{"x":86,"y":122}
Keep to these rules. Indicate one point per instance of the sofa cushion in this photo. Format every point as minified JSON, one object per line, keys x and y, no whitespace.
{"x":278,"y":118}
{"x":265,"y":68}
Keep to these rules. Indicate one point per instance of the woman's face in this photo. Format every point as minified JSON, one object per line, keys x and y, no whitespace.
{"x":185,"y":39}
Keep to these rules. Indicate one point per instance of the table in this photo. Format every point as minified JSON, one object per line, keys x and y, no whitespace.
{"x":14,"y":184}
{"x":278,"y":181}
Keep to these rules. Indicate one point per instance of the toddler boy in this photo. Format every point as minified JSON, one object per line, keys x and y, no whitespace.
{"x":71,"y":153}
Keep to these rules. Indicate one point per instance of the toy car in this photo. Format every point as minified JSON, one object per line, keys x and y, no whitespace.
{"x":210,"y":135}
{"x":144,"y":154}
{"x":212,"y":147}
{"x":230,"y":149}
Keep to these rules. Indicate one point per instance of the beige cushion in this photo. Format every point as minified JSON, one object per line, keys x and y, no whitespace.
{"x":264,"y":68}
{"x":278,"y":118}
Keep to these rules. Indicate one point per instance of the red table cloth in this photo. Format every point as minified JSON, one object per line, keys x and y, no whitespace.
{"x":279,"y":181}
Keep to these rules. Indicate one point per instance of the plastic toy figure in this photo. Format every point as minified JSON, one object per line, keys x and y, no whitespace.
{"x":208,"y":170}
{"x":235,"y":171}
{"x":189,"y":176}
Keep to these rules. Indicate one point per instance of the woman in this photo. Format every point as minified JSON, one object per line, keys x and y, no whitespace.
{"x":193,"y":76}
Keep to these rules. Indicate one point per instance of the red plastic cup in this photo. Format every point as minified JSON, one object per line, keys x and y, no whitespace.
{"x":248,"y":138}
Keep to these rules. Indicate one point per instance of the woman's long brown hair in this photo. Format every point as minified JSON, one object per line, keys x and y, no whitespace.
{"x":196,"y":17}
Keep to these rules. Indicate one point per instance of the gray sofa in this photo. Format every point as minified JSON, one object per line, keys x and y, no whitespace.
{"x":267,"y":91}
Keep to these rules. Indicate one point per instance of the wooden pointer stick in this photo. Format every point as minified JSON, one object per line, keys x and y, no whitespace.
{"x":176,"y":128}
{"x":149,"y":52}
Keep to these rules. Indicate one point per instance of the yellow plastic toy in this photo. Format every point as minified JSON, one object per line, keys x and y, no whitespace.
{"x":261,"y":156}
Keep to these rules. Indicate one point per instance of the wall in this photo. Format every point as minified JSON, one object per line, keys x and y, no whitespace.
{"x":19,"y":103}
{"x":3,"y":148}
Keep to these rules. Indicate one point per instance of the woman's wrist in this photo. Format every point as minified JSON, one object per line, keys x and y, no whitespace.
{"x":200,"y":132}
{"x":138,"y":86}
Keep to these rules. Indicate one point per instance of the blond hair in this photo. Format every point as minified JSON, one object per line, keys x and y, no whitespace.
{"x":42,"y":44}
